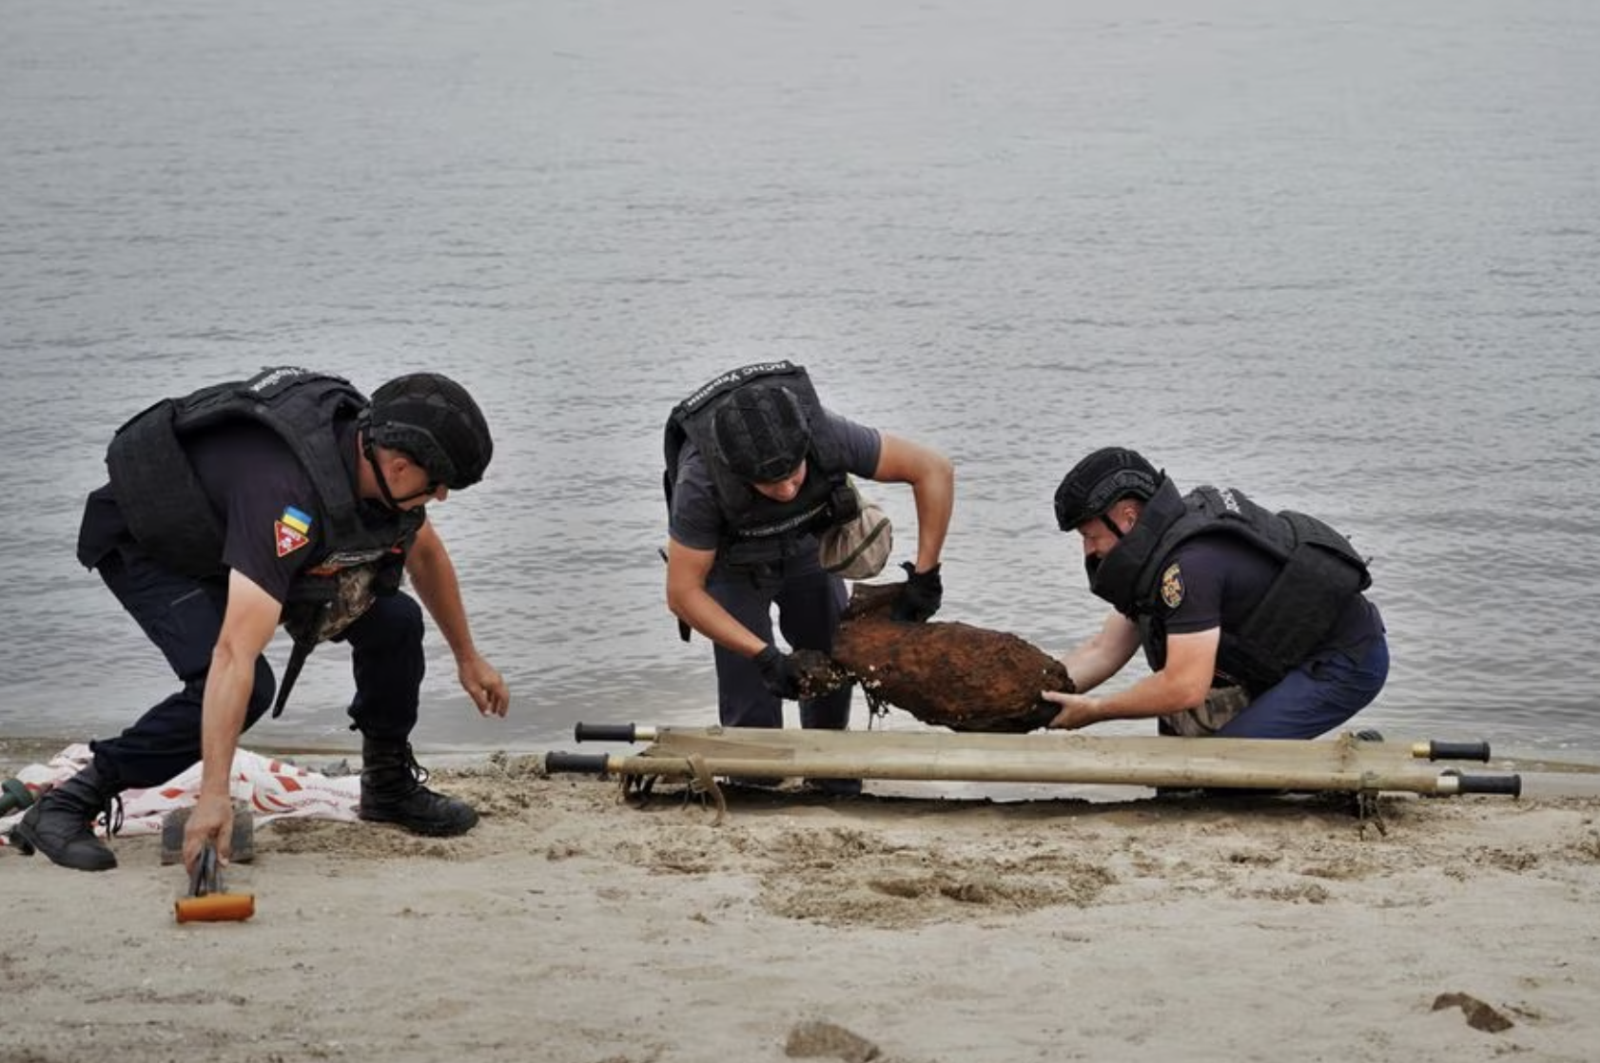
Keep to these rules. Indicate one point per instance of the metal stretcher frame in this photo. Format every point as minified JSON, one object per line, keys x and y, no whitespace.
{"x":1344,"y":763}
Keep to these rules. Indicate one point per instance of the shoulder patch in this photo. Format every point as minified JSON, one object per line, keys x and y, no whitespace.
{"x":289,"y":531}
{"x":1172,"y":586}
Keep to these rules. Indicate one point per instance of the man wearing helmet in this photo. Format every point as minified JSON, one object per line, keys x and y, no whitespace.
{"x":1253,"y":622}
{"x":286,"y":498}
{"x":756,"y":468}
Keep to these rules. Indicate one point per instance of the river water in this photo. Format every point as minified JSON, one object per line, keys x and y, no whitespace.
{"x":1342,"y":257}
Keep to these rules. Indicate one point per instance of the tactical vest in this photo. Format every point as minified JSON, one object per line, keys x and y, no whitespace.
{"x":166,"y":506}
{"x":170,"y":515}
{"x":762,"y":530}
{"x":1319,"y":572}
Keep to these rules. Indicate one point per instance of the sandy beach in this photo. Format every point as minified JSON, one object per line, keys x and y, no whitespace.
{"x":572,"y":925}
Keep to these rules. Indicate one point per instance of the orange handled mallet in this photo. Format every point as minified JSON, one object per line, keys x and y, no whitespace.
{"x":207,"y":902}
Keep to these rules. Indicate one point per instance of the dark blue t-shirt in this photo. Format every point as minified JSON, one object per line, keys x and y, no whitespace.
{"x":1215,"y":581}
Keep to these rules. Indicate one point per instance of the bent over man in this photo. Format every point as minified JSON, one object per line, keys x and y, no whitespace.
{"x":756,"y":468}
{"x":291,"y":498}
{"x":1222,"y":594}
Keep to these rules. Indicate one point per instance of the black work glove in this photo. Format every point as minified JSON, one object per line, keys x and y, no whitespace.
{"x":920,"y":597}
{"x":778,"y":673}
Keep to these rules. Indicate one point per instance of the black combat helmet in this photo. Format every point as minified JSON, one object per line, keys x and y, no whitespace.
{"x":762,"y":433}
{"x":432,"y":418}
{"x":1100,"y":481}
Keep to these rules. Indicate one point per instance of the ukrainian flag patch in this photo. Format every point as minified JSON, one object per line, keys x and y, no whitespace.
{"x":289,"y":532}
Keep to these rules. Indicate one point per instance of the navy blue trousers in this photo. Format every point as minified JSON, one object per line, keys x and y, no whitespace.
{"x":183,"y":617}
{"x":1316,"y":697}
{"x":810,"y":602}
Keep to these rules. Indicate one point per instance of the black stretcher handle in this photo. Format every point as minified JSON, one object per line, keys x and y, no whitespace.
{"x":1458,"y":751}
{"x":591,"y":763}
{"x":606,"y":732}
{"x":1510,"y":785}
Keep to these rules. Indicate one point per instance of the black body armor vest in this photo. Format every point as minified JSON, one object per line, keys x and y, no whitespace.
{"x":166,"y":507}
{"x":1319,"y":572}
{"x":761,"y":530}
{"x":170,"y":515}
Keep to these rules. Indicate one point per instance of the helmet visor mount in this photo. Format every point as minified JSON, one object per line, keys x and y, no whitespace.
{"x":422,"y":448}
{"x":369,"y":449}
{"x":774,"y":471}
{"x":1129,"y":483}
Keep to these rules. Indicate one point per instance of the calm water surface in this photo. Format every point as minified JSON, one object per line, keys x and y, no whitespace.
{"x":1341,"y":256}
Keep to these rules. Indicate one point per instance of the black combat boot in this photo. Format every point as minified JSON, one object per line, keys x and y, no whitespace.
{"x":61,"y":824}
{"x":392,"y":792}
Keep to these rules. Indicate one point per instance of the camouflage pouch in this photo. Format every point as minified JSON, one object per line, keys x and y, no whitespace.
{"x":346,"y":597}
{"x":1221,"y":706}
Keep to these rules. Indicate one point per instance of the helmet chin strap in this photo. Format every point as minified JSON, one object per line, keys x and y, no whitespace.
{"x":389,"y":500}
{"x":1106,"y":517}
